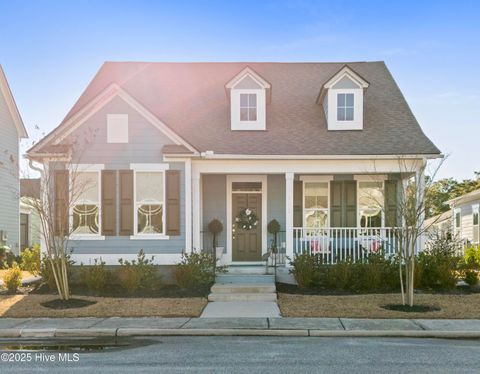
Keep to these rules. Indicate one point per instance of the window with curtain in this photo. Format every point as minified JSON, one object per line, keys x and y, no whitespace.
{"x":86,"y":199}
{"x":315,"y":204}
{"x":476,"y":226}
{"x":370,"y":204}
{"x":149,"y":202}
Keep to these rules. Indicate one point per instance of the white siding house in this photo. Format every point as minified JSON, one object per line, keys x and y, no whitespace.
{"x":465,"y":216}
{"x":11,"y":131}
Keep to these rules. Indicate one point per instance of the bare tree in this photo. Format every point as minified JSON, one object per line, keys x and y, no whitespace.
{"x":63,"y":185}
{"x":411,"y":211}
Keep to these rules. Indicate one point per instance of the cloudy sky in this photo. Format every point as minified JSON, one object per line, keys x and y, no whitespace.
{"x":50,"y":50}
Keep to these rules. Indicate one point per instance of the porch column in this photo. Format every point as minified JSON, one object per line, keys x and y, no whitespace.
{"x":420,"y":180}
{"x":188,"y":206}
{"x":196,"y":211}
{"x":289,"y":215}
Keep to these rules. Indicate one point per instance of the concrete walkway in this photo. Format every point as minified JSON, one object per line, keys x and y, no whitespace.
{"x":241,"y":309}
{"x":115,"y":327}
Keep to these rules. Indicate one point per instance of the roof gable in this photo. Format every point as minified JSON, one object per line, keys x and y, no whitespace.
{"x":12,"y":106}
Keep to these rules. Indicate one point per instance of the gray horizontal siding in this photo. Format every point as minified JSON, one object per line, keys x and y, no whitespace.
{"x":144,"y":146}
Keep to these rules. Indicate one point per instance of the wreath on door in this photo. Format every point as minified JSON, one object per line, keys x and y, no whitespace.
{"x":246,"y":219}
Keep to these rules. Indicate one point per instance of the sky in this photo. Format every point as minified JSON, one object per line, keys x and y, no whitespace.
{"x":50,"y":51}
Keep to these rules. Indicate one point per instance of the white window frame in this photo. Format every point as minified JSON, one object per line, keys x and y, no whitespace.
{"x":333,"y":122}
{"x":236,"y":123}
{"x":476,"y":210}
{"x":457,"y":230}
{"x":138,"y":168}
{"x":116,"y":132}
{"x":316,"y":179}
{"x":375,"y":179}
{"x":345,"y":107}
{"x":248,"y":107}
{"x":86,"y":168}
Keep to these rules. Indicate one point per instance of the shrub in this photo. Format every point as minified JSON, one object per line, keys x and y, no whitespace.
{"x":305,"y":269}
{"x":12,"y":278}
{"x":471,"y":277}
{"x":196,"y":270}
{"x":139,"y":274}
{"x":47,"y":273}
{"x":472,"y":256}
{"x":7,"y":257}
{"x":95,"y":277}
{"x":30,"y":259}
{"x":437,"y":266}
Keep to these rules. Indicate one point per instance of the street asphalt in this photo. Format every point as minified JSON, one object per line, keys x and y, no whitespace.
{"x":272,"y":355}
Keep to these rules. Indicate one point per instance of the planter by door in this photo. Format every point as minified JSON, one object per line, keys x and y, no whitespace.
{"x":247,"y":244}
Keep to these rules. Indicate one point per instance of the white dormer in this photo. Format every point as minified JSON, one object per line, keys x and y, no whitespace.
{"x":342,"y":100}
{"x":249,"y":94}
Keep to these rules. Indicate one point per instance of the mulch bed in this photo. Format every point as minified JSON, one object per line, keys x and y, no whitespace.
{"x":411,"y":309}
{"x":67,"y":304}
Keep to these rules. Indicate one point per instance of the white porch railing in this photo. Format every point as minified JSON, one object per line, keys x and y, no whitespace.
{"x":342,"y":243}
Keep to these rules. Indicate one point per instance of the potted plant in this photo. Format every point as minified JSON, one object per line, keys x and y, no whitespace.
{"x":215,"y":227}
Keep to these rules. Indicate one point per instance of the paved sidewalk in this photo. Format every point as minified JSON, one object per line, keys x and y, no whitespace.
{"x":115,"y":326}
{"x":241,"y":309}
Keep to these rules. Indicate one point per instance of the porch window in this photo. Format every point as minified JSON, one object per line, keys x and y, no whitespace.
{"x":248,"y":107}
{"x":370,"y":204}
{"x":149,"y":202}
{"x":316,"y":204}
{"x":86,"y":198}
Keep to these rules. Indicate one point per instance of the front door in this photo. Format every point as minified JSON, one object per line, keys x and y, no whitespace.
{"x":247,"y":244}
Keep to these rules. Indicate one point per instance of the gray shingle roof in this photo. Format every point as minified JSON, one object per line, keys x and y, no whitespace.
{"x":191,"y":99}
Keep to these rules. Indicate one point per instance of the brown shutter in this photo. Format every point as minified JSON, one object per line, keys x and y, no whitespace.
{"x":297,"y":203}
{"x":61,"y":202}
{"x":109,"y":202}
{"x":391,"y":203}
{"x":126,"y":202}
{"x":173,"y":202}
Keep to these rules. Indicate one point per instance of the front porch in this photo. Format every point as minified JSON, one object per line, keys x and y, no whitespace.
{"x":347,"y":214}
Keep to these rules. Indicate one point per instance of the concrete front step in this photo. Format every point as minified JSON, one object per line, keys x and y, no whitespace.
{"x":242,"y":297}
{"x":247,"y":269}
{"x":243,"y":288}
{"x":245,"y":278}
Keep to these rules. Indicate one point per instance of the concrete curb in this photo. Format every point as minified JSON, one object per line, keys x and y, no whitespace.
{"x":128,"y":332}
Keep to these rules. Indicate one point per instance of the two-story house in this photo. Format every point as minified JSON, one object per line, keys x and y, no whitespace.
{"x":315,"y":146}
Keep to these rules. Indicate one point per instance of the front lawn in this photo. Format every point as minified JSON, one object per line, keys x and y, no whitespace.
{"x":370,"y":305}
{"x":29,"y":305}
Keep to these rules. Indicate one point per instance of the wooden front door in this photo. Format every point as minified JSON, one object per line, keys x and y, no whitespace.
{"x":247,"y":244}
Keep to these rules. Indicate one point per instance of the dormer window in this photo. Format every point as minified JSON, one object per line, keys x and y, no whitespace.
{"x":249,"y":94}
{"x":345,"y":107}
{"x":342,"y":100}
{"x":248,"y":107}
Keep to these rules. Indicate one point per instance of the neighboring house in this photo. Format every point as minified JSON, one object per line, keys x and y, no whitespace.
{"x":465,"y":216}
{"x":440,"y":226}
{"x":321,"y":147}
{"x":29,"y":220}
{"x":11,"y":131}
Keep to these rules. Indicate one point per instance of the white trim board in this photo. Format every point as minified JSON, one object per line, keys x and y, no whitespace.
{"x":112,"y":258}
{"x":246,"y":178}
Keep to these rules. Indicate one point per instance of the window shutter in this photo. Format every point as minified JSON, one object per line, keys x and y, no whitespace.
{"x":297,"y":203}
{"x":109,"y":203}
{"x":173,"y":202}
{"x":390,"y":203}
{"x":61,"y":202}
{"x":126,"y":202}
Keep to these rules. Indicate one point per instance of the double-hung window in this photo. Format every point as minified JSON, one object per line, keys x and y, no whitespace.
{"x":476,"y":226}
{"x":149,"y":203}
{"x":86,"y":203}
{"x":345,"y":106}
{"x":370,"y":204}
{"x":315,"y":214}
{"x":457,"y":222}
{"x":248,"y":107}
